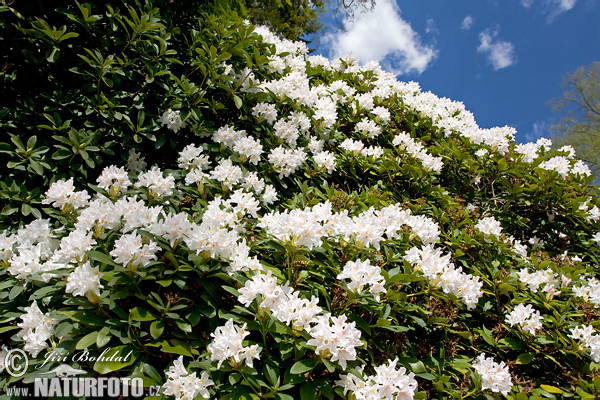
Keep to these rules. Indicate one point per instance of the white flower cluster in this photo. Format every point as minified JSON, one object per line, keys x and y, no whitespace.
{"x":489,"y":226}
{"x":286,"y":161}
{"x":526,"y":317}
{"x":284,"y":303}
{"x":36,"y":329}
{"x":388,"y":383}
{"x":362,"y":273}
{"x":562,"y":165}
{"x":325,"y":161}
{"x":227,"y":345}
{"x":135,"y":161}
{"x":114,"y":180}
{"x":531,"y":151}
{"x":246,"y":146}
{"x":368,"y":128}
{"x":590,"y":339}
{"x":30,"y":250}
{"x":83,"y":280}
{"x":356,"y":147}
{"x":593,"y":213}
{"x":265,"y":111}
{"x":183,"y":385}
{"x":310,"y":226}
{"x":417,"y":150}
{"x":62,"y":193}
{"x":589,"y":291}
{"x":156,"y":183}
{"x":130,"y":251}
{"x":334,"y":337}
{"x":442,"y":273}
{"x":172,"y":119}
{"x":494,"y":376}
{"x":536,"y":279}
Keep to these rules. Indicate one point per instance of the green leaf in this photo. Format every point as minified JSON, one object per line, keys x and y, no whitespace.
{"x":15,"y":291}
{"x":524,"y":358}
{"x":176,"y":348}
{"x":101,"y":258}
{"x":308,"y":391}
{"x":303,"y":366}
{"x":551,"y":389}
{"x":156,"y":329}
{"x":114,"y":359}
{"x":87,"y":341}
{"x":141,"y":314}
{"x":103,"y":337}
{"x":238,"y":101}
{"x":272,"y":374}
{"x":486,"y":334}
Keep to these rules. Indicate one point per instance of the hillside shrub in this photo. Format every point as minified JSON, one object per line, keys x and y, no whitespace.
{"x":248,"y":221}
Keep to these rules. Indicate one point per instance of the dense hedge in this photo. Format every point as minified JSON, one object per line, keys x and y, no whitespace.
{"x":254,"y":222}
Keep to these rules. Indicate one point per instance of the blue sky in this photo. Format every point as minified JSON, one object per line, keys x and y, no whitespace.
{"x":505,"y":59}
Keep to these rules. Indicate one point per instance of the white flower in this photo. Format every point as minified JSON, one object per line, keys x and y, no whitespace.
{"x":84,"y":279}
{"x":135,"y":161}
{"x":129,"y":250}
{"x":368,"y":128}
{"x":174,"y":227}
{"x":494,"y":376}
{"x":172,"y":119}
{"x":489,"y":226}
{"x":589,"y":338}
{"x":227,"y":135}
{"x":334,"y":337}
{"x":444,"y":274}
{"x":286,"y":131}
{"x":250,"y":148}
{"x":185,"y":386}
{"x":154,"y":181}
{"x":536,"y":279}
{"x":352,"y":146}
{"x":372,"y":151}
{"x":36,"y":329}
{"x":62,"y":193}
{"x":286,"y":161}
{"x":227,"y":173}
{"x":362,"y":273}
{"x":382,"y":114}
{"x":74,"y":246}
{"x":114,"y":179}
{"x":227,"y":345}
{"x":560,"y":164}
{"x":325,"y":160}
{"x":388,"y":383}
{"x":266,"y":111}
{"x":526,"y":316}
{"x":191,"y":157}
{"x":529,"y":151}
{"x":481,"y":152}
{"x":589,"y":291}
{"x":270,"y":195}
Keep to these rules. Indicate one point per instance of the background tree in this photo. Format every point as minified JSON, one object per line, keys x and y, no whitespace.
{"x":580,"y":127}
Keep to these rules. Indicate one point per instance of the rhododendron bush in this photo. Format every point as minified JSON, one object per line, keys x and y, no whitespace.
{"x":323,"y":231}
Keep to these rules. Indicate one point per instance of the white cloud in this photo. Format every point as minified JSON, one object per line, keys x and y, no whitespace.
{"x":430,"y":27}
{"x":552,"y":8}
{"x":382,"y":35}
{"x":501,"y":54}
{"x":539,"y":129}
{"x":467,"y":23}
